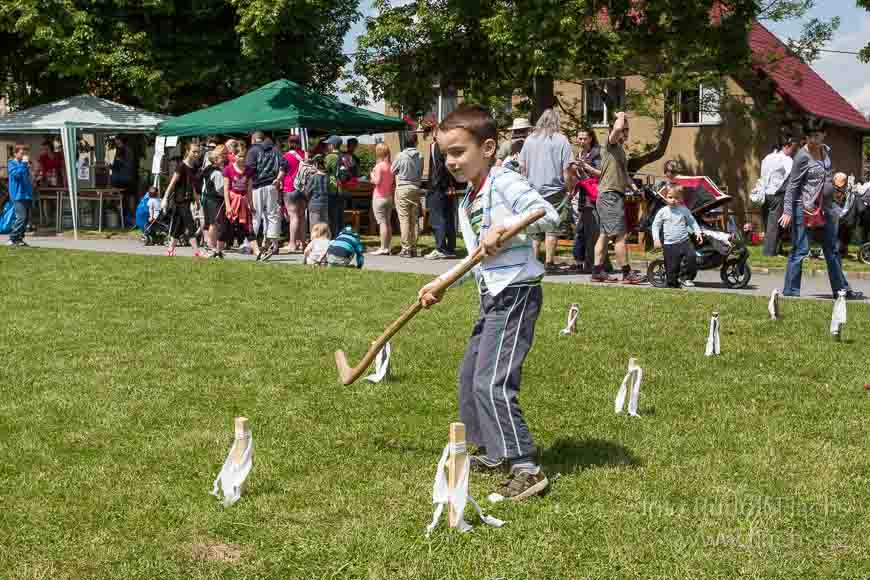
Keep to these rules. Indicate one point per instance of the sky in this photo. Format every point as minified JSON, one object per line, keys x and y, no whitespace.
{"x":849,"y":76}
{"x":844,"y":72}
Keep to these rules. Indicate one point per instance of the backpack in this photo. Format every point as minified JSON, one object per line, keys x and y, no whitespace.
{"x":142,"y":212}
{"x":342,"y":169}
{"x":209,"y":190}
{"x":7,"y":216}
{"x":306,"y":170}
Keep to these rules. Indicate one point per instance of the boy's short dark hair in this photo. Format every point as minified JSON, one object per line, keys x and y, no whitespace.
{"x":474,"y":119}
{"x":677,"y":191}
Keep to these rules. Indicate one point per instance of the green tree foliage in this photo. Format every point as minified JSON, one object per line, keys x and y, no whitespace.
{"x":497,"y":48}
{"x":865,"y":53}
{"x":171,"y":56}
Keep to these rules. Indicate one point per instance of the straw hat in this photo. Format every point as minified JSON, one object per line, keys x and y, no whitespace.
{"x":520,"y":124}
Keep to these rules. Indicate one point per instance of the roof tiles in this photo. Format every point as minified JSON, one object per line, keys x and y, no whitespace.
{"x":797,"y":82}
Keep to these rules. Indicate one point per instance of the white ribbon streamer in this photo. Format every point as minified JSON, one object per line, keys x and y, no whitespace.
{"x":773,"y":305}
{"x":635,"y":376}
{"x":229,"y":481}
{"x":458,"y":497}
{"x":382,"y":365}
{"x":713,"y":337}
{"x":571,"y":327}
{"x":838,"y":316}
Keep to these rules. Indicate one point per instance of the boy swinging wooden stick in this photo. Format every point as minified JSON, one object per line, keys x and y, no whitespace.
{"x":509,"y":281}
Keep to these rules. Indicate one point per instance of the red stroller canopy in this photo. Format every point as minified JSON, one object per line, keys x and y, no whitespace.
{"x":700,"y":193}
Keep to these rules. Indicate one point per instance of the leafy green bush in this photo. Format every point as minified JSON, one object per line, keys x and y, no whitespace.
{"x":366,"y":154}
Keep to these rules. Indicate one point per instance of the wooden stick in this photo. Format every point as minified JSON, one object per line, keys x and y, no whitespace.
{"x":455,"y":467}
{"x":349,"y":374}
{"x":242,"y":439}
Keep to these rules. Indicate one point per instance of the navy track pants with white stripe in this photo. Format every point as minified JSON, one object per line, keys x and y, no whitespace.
{"x":489,"y":378}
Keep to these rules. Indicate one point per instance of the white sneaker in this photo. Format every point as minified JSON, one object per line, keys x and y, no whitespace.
{"x":435,"y":255}
{"x":688,"y":284}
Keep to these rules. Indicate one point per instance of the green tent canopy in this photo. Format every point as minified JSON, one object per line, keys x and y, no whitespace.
{"x":281,"y":105}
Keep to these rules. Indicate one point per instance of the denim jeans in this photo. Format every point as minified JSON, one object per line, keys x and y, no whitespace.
{"x":22,"y":218}
{"x":801,"y":249}
{"x":335,"y":205}
{"x":442,"y":217}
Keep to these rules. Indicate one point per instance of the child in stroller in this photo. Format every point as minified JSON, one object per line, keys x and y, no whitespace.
{"x":157,"y":228}
{"x":721,"y":249}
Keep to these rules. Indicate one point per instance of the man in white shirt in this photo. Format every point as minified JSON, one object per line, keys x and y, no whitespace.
{"x":775,"y":169}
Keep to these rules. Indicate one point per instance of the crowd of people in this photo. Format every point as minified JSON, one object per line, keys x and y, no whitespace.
{"x":800,"y":193}
{"x":245,"y":194}
{"x":248,"y":194}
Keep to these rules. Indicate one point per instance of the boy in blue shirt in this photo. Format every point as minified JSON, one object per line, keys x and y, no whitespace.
{"x":509,"y":281}
{"x":21,"y":193}
{"x":677,"y":222}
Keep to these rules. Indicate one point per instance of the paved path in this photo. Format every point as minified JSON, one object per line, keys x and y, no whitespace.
{"x":814,"y":286}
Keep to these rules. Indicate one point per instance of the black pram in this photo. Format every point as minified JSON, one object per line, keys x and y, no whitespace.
{"x":156,"y":232}
{"x":723,"y":248}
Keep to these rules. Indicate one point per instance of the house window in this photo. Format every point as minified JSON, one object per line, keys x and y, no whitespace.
{"x":700,"y":106}
{"x":444,"y":101}
{"x":598,"y":114}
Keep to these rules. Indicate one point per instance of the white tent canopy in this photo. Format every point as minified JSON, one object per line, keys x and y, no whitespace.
{"x":81,"y":113}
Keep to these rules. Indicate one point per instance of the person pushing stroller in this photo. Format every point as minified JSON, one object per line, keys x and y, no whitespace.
{"x":674,"y":222}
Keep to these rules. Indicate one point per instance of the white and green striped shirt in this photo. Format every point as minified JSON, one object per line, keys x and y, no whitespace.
{"x":504,"y":199}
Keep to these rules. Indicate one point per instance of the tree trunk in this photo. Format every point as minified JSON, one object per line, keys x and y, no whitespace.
{"x":637,"y":163}
{"x":544,"y":95}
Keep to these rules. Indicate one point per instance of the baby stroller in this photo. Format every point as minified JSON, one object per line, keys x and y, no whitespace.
{"x":725,"y":250}
{"x":864,"y":253}
{"x":862,"y":200}
{"x":155,"y":234}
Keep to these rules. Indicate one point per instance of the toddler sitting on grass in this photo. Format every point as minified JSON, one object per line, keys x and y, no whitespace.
{"x":315,"y":251}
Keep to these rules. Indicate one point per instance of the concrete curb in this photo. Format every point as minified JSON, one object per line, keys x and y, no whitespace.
{"x":643,"y":265}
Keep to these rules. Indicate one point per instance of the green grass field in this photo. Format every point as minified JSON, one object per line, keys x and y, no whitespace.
{"x":121,"y":376}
